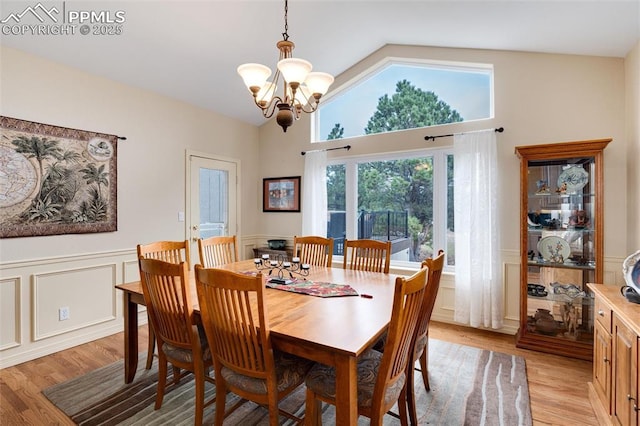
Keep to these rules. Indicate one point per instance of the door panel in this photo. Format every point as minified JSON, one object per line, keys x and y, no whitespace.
{"x":213,"y":199}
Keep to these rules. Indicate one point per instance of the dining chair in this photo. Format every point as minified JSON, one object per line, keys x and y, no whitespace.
{"x":313,"y":250}
{"x":381,"y":375}
{"x":215,"y":251}
{"x":168,"y":251}
{"x":367,"y":255}
{"x":420,"y":343}
{"x":234,"y":317}
{"x":181,"y":342}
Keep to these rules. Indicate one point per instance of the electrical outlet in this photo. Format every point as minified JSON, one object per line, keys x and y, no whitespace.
{"x":63,"y":313}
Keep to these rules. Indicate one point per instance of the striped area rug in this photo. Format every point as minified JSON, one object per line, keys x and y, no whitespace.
{"x":469,"y":386}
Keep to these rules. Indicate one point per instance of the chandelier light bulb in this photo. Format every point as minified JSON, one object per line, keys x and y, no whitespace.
{"x":318,"y":82}
{"x":266,"y":93}
{"x":294,"y":70}
{"x":303,"y":96}
{"x":254,"y":76}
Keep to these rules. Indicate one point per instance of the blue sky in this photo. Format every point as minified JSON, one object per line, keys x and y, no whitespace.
{"x":466,"y":92}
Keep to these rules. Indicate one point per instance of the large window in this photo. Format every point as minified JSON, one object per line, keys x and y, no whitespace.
{"x":402,"y":94}
{"x":406,"y":198}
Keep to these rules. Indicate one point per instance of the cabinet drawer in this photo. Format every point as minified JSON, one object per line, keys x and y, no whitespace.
{"x":603,"y":314}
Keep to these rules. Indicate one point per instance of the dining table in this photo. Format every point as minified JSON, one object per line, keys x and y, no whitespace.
{"x":332,"y":330}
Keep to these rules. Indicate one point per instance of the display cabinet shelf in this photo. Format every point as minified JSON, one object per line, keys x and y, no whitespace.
{"x":561,"y":244}
{"x":565,"y":265}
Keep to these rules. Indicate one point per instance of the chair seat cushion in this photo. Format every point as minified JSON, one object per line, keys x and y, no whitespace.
{"x":186,"y":355}
{"x":290,"y":372}
{"x":421,"y":343}
{"x":322,"y":380}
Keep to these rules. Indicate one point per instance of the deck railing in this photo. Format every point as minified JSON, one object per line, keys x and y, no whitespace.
{"x":376,"y":225}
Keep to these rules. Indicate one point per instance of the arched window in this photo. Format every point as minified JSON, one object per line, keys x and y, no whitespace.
{"x":400,"y":94}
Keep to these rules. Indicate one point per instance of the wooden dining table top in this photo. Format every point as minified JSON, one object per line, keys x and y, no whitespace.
{"x":346,"y":324}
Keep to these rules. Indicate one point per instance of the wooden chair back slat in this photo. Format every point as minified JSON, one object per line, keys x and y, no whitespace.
{"x":215,"y":251}
{"x":313,"y":250}
{"x":435,"y":265}
{"x":167,"y":251}
{"x":166,"y":293}
{"x":367,"y":255}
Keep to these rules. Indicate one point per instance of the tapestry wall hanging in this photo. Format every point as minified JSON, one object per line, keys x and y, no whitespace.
{"x":55,"y":180}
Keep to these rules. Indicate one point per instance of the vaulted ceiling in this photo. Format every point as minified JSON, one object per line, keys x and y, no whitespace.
{"x":189,"y":50}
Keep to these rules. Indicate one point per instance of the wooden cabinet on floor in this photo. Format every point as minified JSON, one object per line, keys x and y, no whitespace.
{"x":616,"y":378}
{"x":561,"y":245}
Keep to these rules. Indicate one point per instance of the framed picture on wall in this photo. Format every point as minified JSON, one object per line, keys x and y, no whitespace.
{"x":281,"y":194}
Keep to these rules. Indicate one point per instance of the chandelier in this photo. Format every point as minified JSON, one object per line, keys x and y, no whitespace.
{"x":301,"y":88}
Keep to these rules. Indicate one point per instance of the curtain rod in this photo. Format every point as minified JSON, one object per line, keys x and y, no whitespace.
{"x":433,"y":138}
{"x":347,"y":147}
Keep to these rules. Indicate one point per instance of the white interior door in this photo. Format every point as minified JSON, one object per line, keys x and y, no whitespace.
{"x":213,"y":199}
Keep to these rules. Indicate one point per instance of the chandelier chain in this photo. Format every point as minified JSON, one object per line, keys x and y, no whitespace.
{"x":285,"y":34}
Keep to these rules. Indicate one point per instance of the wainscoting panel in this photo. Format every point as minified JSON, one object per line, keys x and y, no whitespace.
{"x":131,"y":272}
{"x":613,"y":272}
{"x":87,"y":293}
{"x":10,"y":324}
{"x":511,"y":276}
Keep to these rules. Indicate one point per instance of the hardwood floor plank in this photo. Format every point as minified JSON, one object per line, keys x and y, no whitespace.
{"x":557,"y":385}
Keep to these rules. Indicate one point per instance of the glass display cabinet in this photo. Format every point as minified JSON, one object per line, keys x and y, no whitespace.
{"x":561,"y":245}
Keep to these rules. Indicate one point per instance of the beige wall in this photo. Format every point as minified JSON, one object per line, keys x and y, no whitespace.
{"x":632,"y":89}
{"x":150,"y":162}
{"x":539,"y":98}
{"x":40,"y":274}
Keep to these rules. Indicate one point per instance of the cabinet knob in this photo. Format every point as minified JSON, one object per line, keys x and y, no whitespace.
{"x":600,"y":312}
{"x":606,"y":360}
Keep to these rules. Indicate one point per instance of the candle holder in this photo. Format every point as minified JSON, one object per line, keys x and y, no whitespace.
{"x":282,"y":267}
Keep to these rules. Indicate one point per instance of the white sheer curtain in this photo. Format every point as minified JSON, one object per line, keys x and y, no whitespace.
{"x":479,"y":299}
{"x":314,"y":194}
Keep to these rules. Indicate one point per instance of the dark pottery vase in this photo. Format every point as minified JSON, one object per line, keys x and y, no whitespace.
{"x":545,"y":324}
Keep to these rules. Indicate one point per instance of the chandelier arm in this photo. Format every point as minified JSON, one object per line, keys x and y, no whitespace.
{"x":270,"y":108}
{"x":285,"y":86}
{"x":308,"y":109}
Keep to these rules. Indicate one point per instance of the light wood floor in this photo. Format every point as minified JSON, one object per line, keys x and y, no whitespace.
{"x":557,"y":385}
